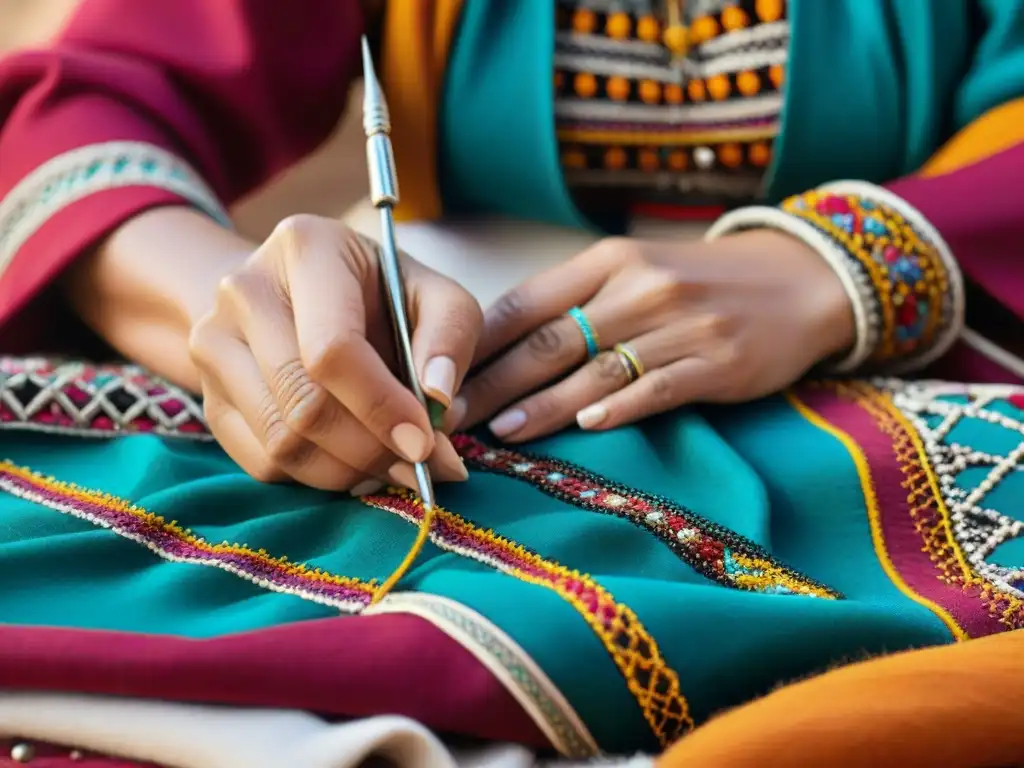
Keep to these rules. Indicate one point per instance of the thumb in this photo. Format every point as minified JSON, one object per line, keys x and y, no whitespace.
{"x":447,"y":323}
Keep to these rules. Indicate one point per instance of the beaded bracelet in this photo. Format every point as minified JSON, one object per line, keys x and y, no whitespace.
{"x":904,"y":285}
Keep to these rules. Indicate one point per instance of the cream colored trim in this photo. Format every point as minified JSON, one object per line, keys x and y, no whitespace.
{"x":507,"y":661}
{"x":89,"y":170}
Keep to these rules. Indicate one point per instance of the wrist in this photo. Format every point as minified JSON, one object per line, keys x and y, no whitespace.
{"x":144,"y":287}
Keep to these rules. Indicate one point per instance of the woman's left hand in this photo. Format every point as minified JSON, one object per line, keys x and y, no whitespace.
{"x":723,"y":321}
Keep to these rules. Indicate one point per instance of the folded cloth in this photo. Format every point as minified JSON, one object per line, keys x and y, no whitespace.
{"x":957,"y":706}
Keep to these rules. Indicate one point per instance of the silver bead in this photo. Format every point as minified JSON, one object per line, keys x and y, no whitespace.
{"x":704,"y":157}
{"x":23,"y":752}
{"x":76,"y":755}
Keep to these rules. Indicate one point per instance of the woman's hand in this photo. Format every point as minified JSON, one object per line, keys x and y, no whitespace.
{"x":725,"y":321}
{"x":296,"y":362}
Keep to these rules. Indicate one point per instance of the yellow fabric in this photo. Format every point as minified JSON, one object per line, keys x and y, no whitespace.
{"x":417,"y":37}
{"x":995,"y":131}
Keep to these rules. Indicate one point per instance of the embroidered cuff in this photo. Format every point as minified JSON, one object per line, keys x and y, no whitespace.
{"x":89,"y":170}
{"x":903,"y":282}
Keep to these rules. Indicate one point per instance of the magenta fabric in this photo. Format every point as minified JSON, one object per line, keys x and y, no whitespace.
{"x":351,"y":666}
{"x":241,"y":89}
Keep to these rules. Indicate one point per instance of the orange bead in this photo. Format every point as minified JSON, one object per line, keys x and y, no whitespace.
{"x":585,"y":85}
{"x":760,"y":154}
{"x":584,"y":21}
{"x":719,"y":87}
{"x":703,"y":29}
{"x":650,"y":92}
{"x":734,"y":18}
{"x":677,"y":160}
{"x":648,"y":160}
{"x":730,"y":155}
{"x":769,"y":10}
{"x":695,"y":90}
{"x":648,"y":29}
{"x":618,"y":26}
{"x":673,"y":94}
{"x":777,"y":75}
{"x":615,"y":159}
{"x":617,"y":88}
{"x":574,"y":159}
{"x":677,"y":40}
{"x":748,"y":83}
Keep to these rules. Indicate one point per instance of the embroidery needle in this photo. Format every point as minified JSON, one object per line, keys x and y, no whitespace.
{"x":380,"y":160}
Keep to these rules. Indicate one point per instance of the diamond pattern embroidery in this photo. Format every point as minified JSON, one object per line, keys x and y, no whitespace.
{"x":974,"y":438}
{"x":93,"y":401}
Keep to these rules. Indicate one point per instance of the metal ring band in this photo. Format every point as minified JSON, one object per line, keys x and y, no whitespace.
{"x":589,"y":334}
{"x":630,"y":361}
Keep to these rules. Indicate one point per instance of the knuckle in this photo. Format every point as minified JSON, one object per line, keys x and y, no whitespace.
{"x":662,"y":389}
{"x":295,"y":231}
{"x":510,"y":307}
{"x":716,"y":326}
{"x":622,"y":249}
{"x":201,"y":344}
{"x":547,"y":342}
{"x":238,"y":290}
{"x":327,"y":360}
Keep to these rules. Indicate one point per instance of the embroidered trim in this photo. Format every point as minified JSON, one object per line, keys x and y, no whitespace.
{"x":977,"y":529}
{"x":77,"y":398}
{"x":79,"y":173}
{"x":507,"y":661}
{"x":179,"y":545}
{"x":937,"y":527}
{"x":714,"y":551}
{"x":653,"y":683}
{"x":904,"y":284}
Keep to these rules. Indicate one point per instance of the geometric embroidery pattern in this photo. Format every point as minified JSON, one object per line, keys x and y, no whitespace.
{"x":957,"y":449}
{"x":969,"y":477}
{"x":88,"y":400}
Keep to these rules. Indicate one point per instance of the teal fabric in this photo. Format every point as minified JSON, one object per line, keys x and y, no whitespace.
{"x":747,"y":468}
{"x":873,"y":88}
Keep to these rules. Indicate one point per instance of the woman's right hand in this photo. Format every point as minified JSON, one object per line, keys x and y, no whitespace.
{"x":296,"y":362}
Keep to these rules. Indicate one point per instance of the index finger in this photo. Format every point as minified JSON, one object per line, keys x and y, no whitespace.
{"x":330,"y":322}
{"x":542,"y":298}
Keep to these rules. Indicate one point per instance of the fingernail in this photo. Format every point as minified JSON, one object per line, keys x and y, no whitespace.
{"x":439,"y":379}
{"x":456,"y":414}
{"x":411,"y":442}
{"x":508,"y":422}
{"x":366,"y":488}
{"x":447,"y":460}
{"x":403,"y":474}
{"x":591,"y":416}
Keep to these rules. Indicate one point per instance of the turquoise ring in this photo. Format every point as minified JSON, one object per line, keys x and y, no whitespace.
{"x":589,"y":334}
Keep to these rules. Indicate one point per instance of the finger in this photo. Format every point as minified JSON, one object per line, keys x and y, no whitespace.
{"x":542,"y":298}
{"x":556,"y":407}
{"x":236,"y":438}
{"x":329,"y":309}
{"x":445,"y":466}
{"x":245,"y":389}
{"x":447,"y":322}
{"x":547,"y":353}
{"x":657,"y":391}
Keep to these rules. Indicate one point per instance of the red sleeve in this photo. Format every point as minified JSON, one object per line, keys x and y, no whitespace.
{"x":140,"y":103}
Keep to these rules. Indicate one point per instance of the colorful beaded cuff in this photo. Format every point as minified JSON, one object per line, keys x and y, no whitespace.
{"x":904,"y":285}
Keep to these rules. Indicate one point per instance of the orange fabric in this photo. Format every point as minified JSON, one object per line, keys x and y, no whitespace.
{"x":996,"y":130}
{"x":957,"y":706}
{"x":417,"y":38}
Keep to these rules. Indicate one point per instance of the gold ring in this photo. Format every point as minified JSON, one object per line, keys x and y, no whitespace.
{"x":630,"y":361}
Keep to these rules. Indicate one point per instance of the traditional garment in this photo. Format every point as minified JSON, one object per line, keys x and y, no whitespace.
{"x":587,"y":593}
